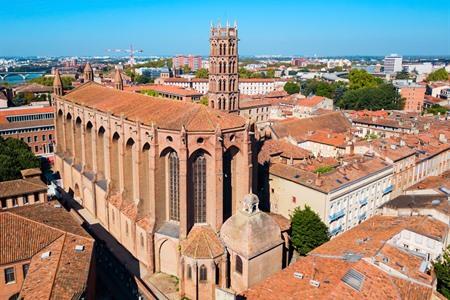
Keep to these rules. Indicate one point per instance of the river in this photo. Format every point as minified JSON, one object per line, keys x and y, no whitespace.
{"x":16,"y":79}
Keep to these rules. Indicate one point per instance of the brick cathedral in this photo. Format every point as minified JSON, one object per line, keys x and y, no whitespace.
{"x":170,"y":180}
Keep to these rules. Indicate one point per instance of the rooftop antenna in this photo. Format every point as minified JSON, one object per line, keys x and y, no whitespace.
{"x":235,"y":24}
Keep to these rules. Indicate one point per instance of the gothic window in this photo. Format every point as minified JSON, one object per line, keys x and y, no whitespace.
{"x":199,"y":188}
{"x":189,"y":272}
{"x":174,"y":192}
{"x":203,"y":273}
{"x":238,"y":266}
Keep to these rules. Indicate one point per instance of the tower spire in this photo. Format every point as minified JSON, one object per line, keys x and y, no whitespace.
{"x":57,"y":84}
{"x":88,"y":72}
{"x":118,"y":81}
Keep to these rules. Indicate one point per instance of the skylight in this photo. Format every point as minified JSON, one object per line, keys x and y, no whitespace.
{"x":354,"y":279}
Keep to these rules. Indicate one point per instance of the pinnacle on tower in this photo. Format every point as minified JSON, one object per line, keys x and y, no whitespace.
{"x":118,"y":81}
{"x":57,"y":84}
{"x":88,"y":72}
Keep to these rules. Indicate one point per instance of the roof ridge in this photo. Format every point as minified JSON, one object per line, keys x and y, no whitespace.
{"x":37,"y":222}
{"x":208,"y":244}
{"x":57,"y":265}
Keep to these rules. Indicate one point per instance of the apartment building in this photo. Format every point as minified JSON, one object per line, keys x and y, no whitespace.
{"x":32,"y":124}
{"x":343,"y":195}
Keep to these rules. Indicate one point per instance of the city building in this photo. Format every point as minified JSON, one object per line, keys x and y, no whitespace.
{"x":393,"y":63}
{"x":435,"y":89}
{"x":260,"y":86}
{"x":45,"y":254}
{"x":167,"y":91}
{"x":33,"y":91}
{"x":256,"y":109}
{"x":194,"y":62}
{"x":223,"y":89}
{"x":384,"y":257}
{"x":32,"y":124}
{"x":307,"y":106}
{"x":19,"y":192}
{"x":413,"y":93}
{"x":152,"y":73}
{"x":343,"y":195}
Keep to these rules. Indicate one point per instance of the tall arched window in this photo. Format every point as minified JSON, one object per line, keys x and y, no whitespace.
{"x":238,"y":266}
{"x":199,"y":188}
{"x":203,"y":273}
{"x":174,"y":192}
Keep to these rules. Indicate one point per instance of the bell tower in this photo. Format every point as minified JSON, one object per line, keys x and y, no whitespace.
{"x":223,"y":93}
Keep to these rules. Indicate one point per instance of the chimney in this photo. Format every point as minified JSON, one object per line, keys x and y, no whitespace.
{"x":318,"y":181}
{"x":350,"y":148}
{"x":442,"y":138}
{"x":402,"y":143}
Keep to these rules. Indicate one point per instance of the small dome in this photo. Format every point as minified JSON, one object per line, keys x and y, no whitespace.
{"x":250,"y":233}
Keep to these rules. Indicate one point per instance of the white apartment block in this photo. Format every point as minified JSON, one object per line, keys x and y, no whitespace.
{"x":393,"y":63}
{"x":342,"y":207}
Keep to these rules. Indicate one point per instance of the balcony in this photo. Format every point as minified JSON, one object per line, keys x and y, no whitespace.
{"x":336,"y":215}
{"x":363,"y":202}
{"x":336,"y":230}
{"x":388,"y":190}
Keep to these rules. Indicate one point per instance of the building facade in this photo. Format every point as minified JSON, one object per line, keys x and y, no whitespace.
{"x":194,"y":62}
{"x":32,"y":124}
{"x":392,"y":63}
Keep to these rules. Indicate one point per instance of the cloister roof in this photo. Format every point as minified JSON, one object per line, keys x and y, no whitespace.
{"x":163,"y":113}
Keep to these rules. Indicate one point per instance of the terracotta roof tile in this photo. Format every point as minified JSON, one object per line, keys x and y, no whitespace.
{"x":164,"y":113}
{"x":202,"y":242}
{"x":19,"y":187}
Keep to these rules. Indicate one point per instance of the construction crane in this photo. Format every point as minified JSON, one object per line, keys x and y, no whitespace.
{"x":132,"y":51}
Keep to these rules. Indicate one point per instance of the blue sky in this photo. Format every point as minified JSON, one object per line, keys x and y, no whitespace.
{"x":322,"y":27}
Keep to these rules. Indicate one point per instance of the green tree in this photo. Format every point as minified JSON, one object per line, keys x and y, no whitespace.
{"x":402,"y":75}
{"x":186,"y":69}
{"x":14,"y":157}
{"x":442,"y":270}
{"x":48,"y":81}
{"x":384,"y":96}
{"x":270,"y":73}
{"x":308,"y":230}
{"x":360,"y":79}
{"x":202,"y":73}
{"x":291,"y":88}
{"x":142,"y":79}
{"x":440,"y":74}
{"x":436,"y":109}
{"x":204,"y":101}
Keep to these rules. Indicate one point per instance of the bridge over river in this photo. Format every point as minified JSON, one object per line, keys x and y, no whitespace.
{"x":23,"y":75}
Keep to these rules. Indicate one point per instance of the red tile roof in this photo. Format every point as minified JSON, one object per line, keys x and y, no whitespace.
{"x":27,"y":232}
{"x":164,"y":113}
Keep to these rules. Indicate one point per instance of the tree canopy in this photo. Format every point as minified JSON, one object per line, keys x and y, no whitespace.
{"x":436,"y":109}
{"x":291,"y":88}
{"x":402,"y":75}
{"x":361,"y":79}
{"x":442,"y":270}
{"x":202,"y":73}
{"x":384,"y":96}
{"x":333,"y":90}
{"x":308,"y":230}
{"x":14,"y":157}
{"x":48,"y":81}
{"x":440,"y":74}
